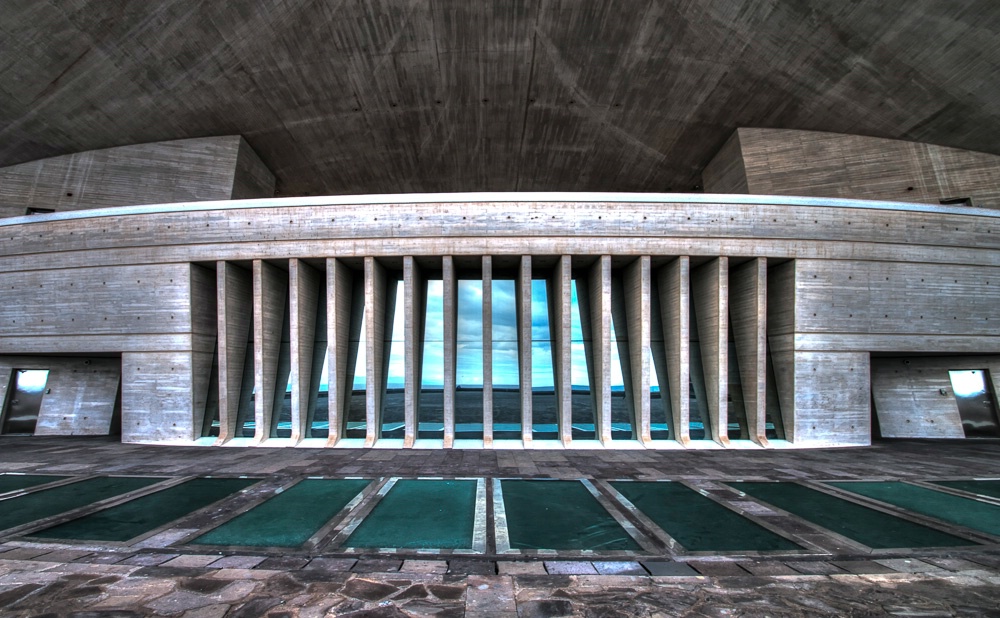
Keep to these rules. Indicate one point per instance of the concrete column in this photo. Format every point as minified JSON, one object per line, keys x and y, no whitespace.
{"x":748,"y":307}
{"x":599,"y":289}
{"x":560,"y":288}
{"x":523,"y":294}
{"x":673,"y":283}
{"x":710,"y":292}
{"x":658,"y":350}
{"x":341,"y":311}
{"x":270,"y":287}
{"x":235,"y":314}
{"x":487,"y":351}
{"x":449,"y":297}
{"x":204,"y":350}
{"x":375,"y":312}
{"x":304,"y":288}
{"x":620,"y":330}
{"x":415,"y":312}
{"x":637,"y":312}
{"x":319,"y":353}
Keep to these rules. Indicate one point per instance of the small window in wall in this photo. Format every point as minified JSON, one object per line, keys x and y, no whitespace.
{"x":975,"y":403}
{"x":957,"y":201}
{"x":25,"y":400}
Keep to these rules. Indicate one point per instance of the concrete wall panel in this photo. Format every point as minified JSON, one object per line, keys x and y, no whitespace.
{"x":832,"y":399}
{"x":814,"y":163}
{"x":188,"y":170}
{"x":80,"y":393}
{"x":748,"y":310}
{"x":914,"y":397}
{"x":157,"y":397}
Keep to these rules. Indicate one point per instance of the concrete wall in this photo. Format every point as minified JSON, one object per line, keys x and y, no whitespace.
{"x":813,"y":163}
{"x":842,"y":281}
{"x":189,"y":170}
{"x":146,"y":314}
{"x":80,"y":395}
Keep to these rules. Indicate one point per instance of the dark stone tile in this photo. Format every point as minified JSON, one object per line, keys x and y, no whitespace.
{"x":863,"y":567}
{"x":768,"y":568}
{"x":148,"y":559}
{"x":544,"y":608}
{"x":445,"y":592}
{"x":416,"y":591}
{"x":619,"y":568}
{"x":472,"y":567}
{"x":377,"y":565}
{"x":669,"y":569}
{"x":367,"y":590}
{"x":717,"y":569}
{"x":331,"y":564}
{"x":255,"y":608}
{"x":284,"y":563}
{"x":570,"y":568}
{"x":815,"y":567}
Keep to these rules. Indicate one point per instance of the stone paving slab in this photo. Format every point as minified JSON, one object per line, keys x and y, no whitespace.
{"x":156,"y":576}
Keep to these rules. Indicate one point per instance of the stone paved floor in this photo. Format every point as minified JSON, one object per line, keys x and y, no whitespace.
{"x":154,"y":577}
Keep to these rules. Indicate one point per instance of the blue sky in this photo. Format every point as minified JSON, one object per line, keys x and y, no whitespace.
{"x":470,"y":350}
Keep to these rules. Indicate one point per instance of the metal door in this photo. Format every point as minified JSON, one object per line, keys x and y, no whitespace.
{"x":975,"y":403}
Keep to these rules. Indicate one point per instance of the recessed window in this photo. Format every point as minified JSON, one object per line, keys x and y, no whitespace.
{"x":957,"y":201}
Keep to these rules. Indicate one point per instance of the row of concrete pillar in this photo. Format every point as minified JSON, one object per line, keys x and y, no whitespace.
{"x":325,"y":311}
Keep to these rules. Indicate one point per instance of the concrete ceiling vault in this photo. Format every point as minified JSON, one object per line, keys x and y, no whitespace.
{"x":379,"y":96}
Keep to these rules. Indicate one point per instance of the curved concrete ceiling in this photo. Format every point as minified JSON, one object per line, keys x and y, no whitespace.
{"x":384,"y":96}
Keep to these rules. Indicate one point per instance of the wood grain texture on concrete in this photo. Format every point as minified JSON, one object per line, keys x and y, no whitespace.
{"x":270,"y":299}
{"x":710,"y":296}
{"x":522,"y":298}
{"x":415,"y":309}
{"x":375,"y":341}
{"x":80,"y":394}
{"x":487,"y":274}
{"x":674,"y":285}
{"x":638,"y":316}
{"x":235,"y":305}
{"x":561,"y":325}
{"x":449,"y":318}
{"x":789,"y":162}
{"x":451,"y":95}
{"x":304,"y":289}
{"x":187,"y":170}
{"x":748,"y":314}
{"x":913,"y":397}
{"x":340,"y":303}
{"x":599,"y":291}
{"x":204,"y":345}
{"x":846,"y":280}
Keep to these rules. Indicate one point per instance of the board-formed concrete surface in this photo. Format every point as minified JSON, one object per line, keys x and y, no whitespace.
{"x":835,"y":283}
{"x":451,"y":95}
